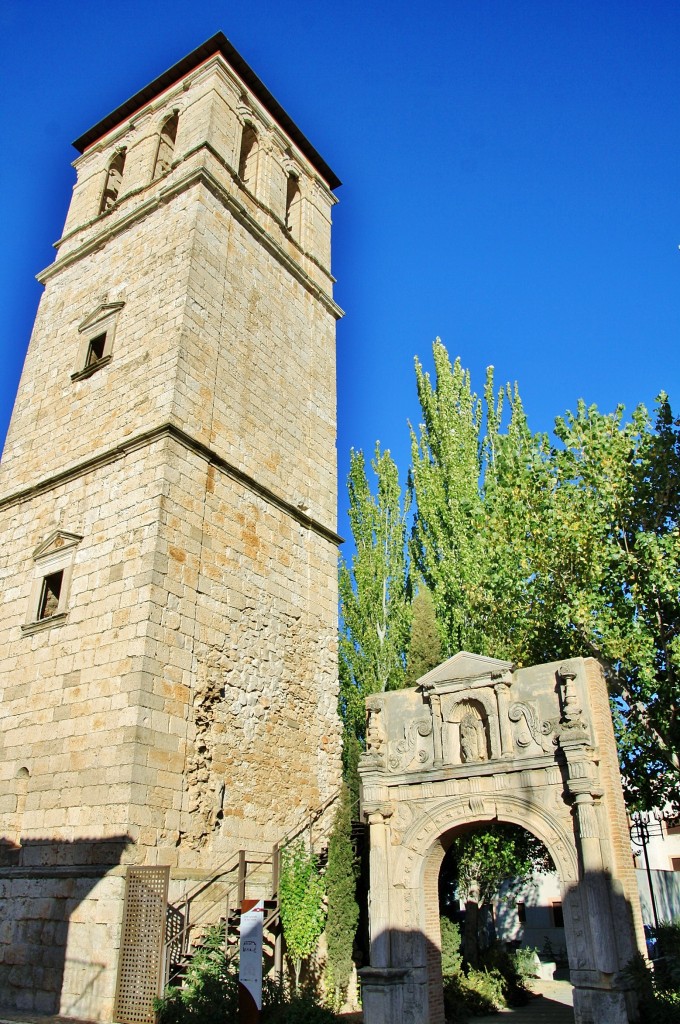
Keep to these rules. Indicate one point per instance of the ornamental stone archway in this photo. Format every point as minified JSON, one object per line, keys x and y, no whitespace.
{"x":475,"y":742}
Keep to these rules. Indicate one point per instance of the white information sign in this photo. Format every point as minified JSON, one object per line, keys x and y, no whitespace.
{"x":250,"y":966}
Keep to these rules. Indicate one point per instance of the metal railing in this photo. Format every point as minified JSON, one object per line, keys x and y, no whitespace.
{"x":182,"y":920}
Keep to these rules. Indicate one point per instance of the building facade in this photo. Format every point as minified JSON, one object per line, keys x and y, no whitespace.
{"x":168,"y":512}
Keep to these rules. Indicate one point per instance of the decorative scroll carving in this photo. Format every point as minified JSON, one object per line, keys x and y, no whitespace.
{"x":524,"y":736}
{"x":531,"y":731}
{"x":406,"y":750}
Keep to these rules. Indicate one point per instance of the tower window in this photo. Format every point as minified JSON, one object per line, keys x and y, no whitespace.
{"x":95,"y":350}
{"x":48,"y":601}
{"x":521,"y":912}
{"x":51,"y":591}
{"x":166,"y":146}
{"x":247,"y":163}
{"x":114,"y":179}
{"x":293,"y":206}
{"x":96,"y":340}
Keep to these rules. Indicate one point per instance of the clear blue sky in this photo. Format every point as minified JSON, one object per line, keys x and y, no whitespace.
{"x":511,"y":176}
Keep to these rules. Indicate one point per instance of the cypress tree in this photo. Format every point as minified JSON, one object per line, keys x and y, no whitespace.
{"x":343,"y":910}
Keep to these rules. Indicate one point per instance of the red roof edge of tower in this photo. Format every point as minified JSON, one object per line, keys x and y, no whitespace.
{"x":216,"y":44}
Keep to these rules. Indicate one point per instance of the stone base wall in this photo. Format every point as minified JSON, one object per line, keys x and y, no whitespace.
{"x":59,"y":941}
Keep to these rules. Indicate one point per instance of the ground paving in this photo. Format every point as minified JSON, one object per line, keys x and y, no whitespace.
{"x":551,"y":1004}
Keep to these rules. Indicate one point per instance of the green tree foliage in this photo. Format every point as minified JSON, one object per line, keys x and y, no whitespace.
{"x":425,"y":646}
{"x":619,"y":502}
{"x":374,"y":599}
{"x":483,"y":865}
{"x":536,"y":551}
{"x":452,"y":958}
{"x":444,"y":479}
{"x":343,"y":909}
{"x":301,"y":900}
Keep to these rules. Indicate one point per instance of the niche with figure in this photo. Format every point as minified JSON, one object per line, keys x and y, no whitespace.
{"x":468,"y":733}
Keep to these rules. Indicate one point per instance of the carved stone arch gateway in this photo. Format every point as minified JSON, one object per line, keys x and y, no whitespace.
{"x":477,"y":742}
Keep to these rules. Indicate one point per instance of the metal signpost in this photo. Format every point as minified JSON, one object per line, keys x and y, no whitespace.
{"x":250,"y":962}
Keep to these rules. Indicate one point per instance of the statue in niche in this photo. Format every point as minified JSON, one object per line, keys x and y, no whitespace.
{"x":473,"y":745}
{"x":469,"y":748}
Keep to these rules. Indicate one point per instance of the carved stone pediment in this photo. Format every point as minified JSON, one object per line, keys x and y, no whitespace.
{"x":464,"y":668}
{"x":475,"y":714}
{"x":55,"y":543}
{"x":103,"y":312}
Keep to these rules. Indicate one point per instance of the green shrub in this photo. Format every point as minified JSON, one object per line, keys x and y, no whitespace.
{"x":668,"y":938}
{"x":301,"y":902}
{"x":474,"y":994}
{"x":343,"y":909}
{"x":524,"y":961}
{"x":658,"y":994}
{"x":299,"y":1008}
{"x":485,"y":990}
{"x":498,"y":958}
{"x":452,"y":958}
{"x":210,"y":994}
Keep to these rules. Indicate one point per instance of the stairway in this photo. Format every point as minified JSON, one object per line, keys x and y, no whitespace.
{"x":217,"y":900}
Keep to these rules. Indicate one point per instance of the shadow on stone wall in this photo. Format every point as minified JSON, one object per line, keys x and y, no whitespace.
{"x":43,"y":885}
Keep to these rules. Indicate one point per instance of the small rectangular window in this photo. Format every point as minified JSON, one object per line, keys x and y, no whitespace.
{"x":557,"y":915}
{"x":97,"y":332}
{"x":521,"y":912}
{"x":49,"y":597}
{"x":95,"y":350}
{"x":675,"y":863}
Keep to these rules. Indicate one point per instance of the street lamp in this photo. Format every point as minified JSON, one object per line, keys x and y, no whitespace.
{"x":645,"y":825}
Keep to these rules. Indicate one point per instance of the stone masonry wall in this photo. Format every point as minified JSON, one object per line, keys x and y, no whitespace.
{"x":264,"y":691}
{"x":198,"y":614}
{"x":183,"y":704}
{"x":73,"y":706}
{"x":59,"y":941}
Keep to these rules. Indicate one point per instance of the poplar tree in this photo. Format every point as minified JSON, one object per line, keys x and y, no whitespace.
{"x":425,"y":646}
{"x":536,"y":551}
{"x":375,"y":606}
{"x":446,"y":455}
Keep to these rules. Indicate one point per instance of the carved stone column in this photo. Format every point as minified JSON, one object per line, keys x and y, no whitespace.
{"x":435,"y":702}
{"x":379,"y":893}
{"x":503,"y":702}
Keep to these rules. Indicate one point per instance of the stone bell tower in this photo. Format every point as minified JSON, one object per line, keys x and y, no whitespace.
{"x":168,"y":514}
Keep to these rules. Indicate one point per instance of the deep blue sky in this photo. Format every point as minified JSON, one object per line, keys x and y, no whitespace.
{"x":511,"y":176}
